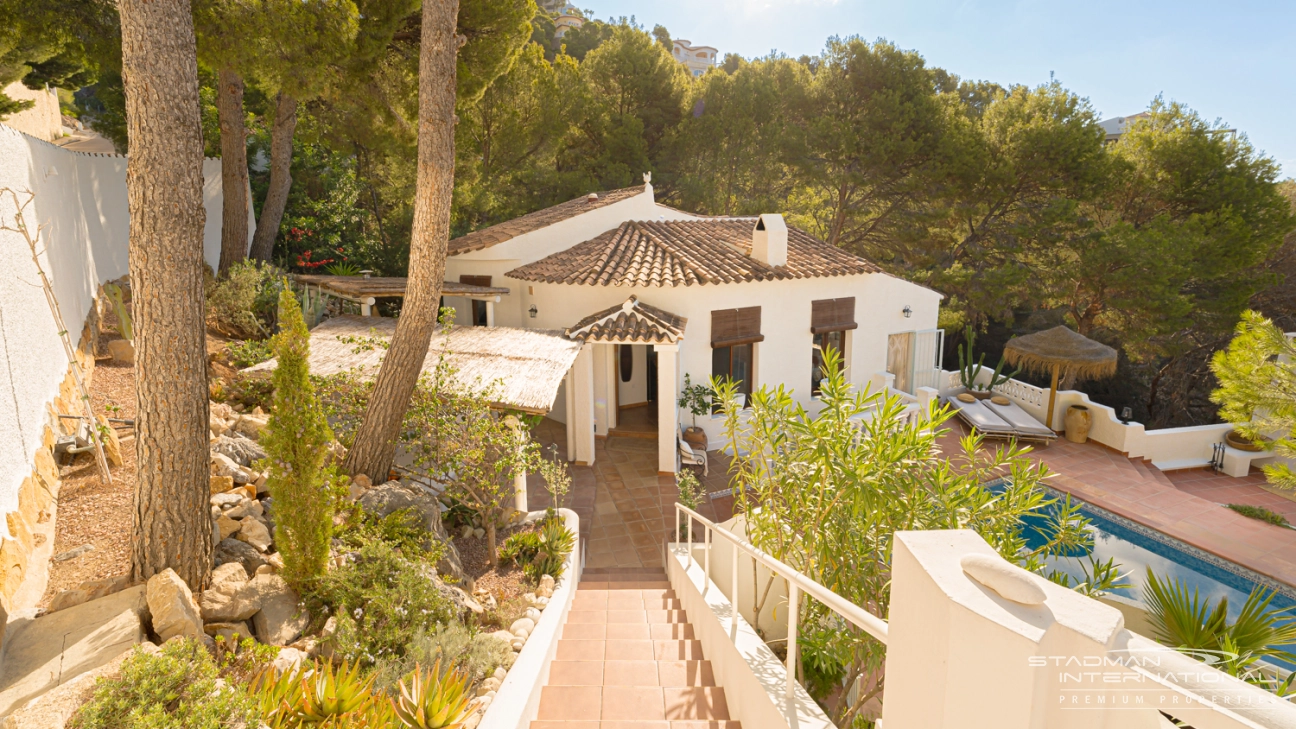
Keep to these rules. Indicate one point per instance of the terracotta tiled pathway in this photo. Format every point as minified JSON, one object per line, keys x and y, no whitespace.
{"x":1187,"y":505}
{"x":627,"y":659}
{"x":624,"y":506}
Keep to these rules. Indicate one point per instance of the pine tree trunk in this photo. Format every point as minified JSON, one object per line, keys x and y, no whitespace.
{"x":164,"y":181}
{"x":281,"y":148}
{"x":375,"y":443}
{"x":234,"y":169}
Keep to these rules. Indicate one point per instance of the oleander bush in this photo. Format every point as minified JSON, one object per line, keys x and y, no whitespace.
{"x":247,"y":353}
{"x":243,"y":303}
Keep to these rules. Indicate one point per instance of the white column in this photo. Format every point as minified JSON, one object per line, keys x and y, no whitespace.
{"x":490,"y":312}
{"x":667,"y":410}
{"x":613,"y":381}
{"x":569,"y":387}
{"x":583,"y":411}
{"x":601,"y":404}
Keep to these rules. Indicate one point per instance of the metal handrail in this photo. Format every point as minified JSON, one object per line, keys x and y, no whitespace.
{"x":858,"y":616}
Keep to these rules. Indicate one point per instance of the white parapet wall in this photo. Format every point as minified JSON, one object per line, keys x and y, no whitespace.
{"x":1001,"y":648}
{"x":517,"y":703}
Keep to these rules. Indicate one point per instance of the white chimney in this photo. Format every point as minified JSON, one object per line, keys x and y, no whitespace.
{"x":769,"y":240}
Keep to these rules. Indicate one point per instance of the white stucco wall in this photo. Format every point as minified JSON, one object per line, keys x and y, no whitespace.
{"x":81,"y":197}
{"x":783,"y":358}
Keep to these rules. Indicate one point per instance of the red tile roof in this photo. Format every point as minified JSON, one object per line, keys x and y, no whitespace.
{"x":509,"y":229}
{"x":630,"y":322}
{"x":687,"y":252}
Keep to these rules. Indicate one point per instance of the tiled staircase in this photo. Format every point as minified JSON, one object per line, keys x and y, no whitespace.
{"x":627,"y":659}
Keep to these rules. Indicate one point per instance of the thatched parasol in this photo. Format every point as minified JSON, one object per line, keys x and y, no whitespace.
{"x":1060,"y":350}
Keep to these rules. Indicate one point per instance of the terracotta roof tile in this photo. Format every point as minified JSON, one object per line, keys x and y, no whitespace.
{"x":687,"y":252}
{"x":509,"y":229}
{"x":632,"y":321}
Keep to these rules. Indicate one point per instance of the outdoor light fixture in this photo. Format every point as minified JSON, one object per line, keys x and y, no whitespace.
{"x":908,"y":312}
{"x":533,"y":311}
{"x":366,"y":273}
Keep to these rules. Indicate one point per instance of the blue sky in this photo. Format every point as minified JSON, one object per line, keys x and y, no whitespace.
{"x":1235,"y":61}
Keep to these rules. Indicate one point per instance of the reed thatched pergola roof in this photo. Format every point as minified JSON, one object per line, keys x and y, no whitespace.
{"x":1061,"y":349}
{"x":522,"y":367}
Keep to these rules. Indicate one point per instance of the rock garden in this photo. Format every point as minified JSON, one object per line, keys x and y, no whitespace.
{"x":332,"y":600}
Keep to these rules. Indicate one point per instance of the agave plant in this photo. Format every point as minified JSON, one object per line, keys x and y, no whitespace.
{"x":556,"y":542}
{"x":314,"y":694}
{"x":1190,"y":623}
{"x":432,"y":699}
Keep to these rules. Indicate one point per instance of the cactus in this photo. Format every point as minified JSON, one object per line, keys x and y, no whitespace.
{"x":968,"y":372}
{"x":114,"y":293}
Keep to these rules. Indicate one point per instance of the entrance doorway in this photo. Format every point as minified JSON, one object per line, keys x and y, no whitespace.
{"x":636,"y":391}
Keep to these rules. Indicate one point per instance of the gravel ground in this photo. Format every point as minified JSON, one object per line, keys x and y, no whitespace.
{"x":505,"y":582}
{"x":88,"y":511}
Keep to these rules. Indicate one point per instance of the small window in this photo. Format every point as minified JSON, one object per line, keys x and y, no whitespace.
{"x":478,"y":307}
{"x":822,"y":343}
{"x":734,"y":332}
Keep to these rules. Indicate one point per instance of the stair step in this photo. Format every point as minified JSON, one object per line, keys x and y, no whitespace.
{"x":623,"y":585}
{"x":628,"y":631}
{"x":637,"y":725}
{"x":631,"y":673}
{"x":646,"y":617}
{"x":629,"y":650}
{"x":569,"y":705}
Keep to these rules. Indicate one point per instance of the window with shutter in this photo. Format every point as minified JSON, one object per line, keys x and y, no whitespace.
{"x":736,"y":326}
{"x":478,"y":307}
{"x":832,"y":315}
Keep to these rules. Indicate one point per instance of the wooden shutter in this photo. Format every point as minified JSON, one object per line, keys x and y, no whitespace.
{"x":832,"y":315}
{"x":736,"y":326}
{"x":476,"y":280}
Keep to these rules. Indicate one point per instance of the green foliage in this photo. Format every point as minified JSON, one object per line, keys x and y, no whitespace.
{"x":1261,"y":513}
{"x":175,"y":688}
{"x":434,"y":699}
{"x":540,"y":552}
{"x":557,"y":479}
{"x":319,"y":693}
{"x":832,"y":490}
{"x":695,"y":398}
{"x":1257,"y":376}
{"x":1193,"y":625}
{"x":243,"y":303}
{"x":969,"y":371}
{"x":381,"y":597}
{"x":453,"y":642}
{"x":249,"y":390}
{"x":248,"y":353}
{"x":402,"y":530}
{"x":295,"y":441}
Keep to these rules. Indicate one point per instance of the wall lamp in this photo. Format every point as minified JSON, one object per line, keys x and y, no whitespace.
{"x":533,"y":311}
{"x":908,"y":312}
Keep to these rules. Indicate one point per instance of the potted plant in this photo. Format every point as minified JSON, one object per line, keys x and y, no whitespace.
{"x":697,"y":400}
{"x":969,"y":371}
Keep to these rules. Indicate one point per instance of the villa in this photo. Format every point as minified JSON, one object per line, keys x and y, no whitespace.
{"x":655,"y":294}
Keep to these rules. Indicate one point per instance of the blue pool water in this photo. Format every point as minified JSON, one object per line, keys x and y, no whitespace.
{"x":1135,"y":552}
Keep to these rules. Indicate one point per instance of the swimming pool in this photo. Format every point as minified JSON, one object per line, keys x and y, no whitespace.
{"x":1135,"y":548}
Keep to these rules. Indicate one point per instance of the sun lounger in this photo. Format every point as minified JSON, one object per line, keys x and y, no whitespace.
{"x":978,"y":416}
{"x":1021,"y":421}
{"x":1000,"y":421}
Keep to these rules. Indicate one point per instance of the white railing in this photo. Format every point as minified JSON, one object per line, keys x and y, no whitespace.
{"x":797,"y":583}
{"x":1024,"y":393}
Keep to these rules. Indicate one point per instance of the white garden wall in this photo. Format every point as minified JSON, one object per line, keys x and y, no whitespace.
{"x":81,"y":197}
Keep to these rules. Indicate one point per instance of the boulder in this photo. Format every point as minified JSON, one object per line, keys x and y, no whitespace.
{"x":232,"y":550}
{"x":362,"y":481}
{"x":262,"y":485}
{"x":228,"y":527}
{"x":172,"y":605}
{"x":534,"y":614}
{"x":55,"y":708}
{"x":231,"y":632}
{"x":217,"y":425}
{"x":251,"y":425}
{"x":231,"y":572}
{"x":251,"y":507}
{"x":242,"y":451}
{"x":289,"y":659}
{"x":223,"y":465}
{"x":546,"y":584}
{"x":87,"y":591}
{"x":394,"y":496}
{"x":503,"y":636}
{"x":122,"y":351}
{"x":336,"y":454}
{"x":230,"y":602}
{"x":522,"y":626}
{"x":255,"y":533}
{"x":228,"y":499}
{"x":282,"y":618}
{"x":221,"y":484}
{"x":276,"y":561}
